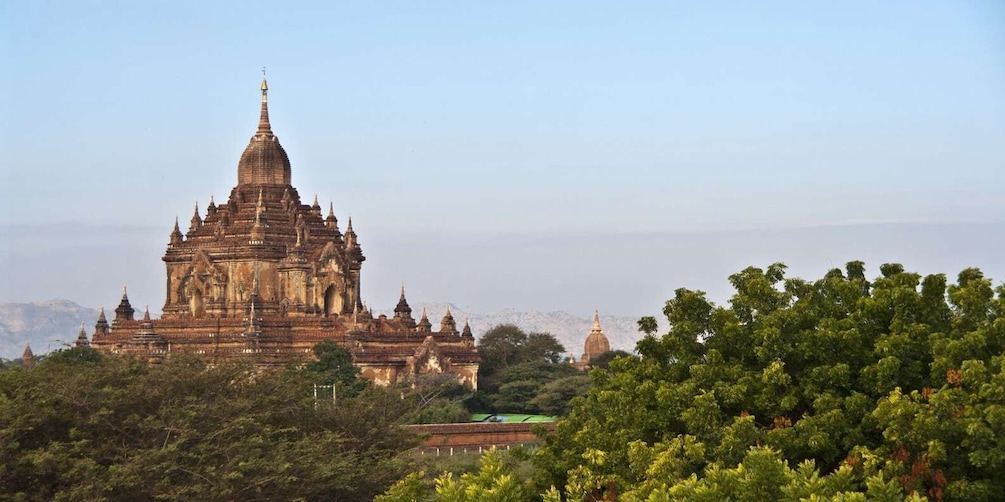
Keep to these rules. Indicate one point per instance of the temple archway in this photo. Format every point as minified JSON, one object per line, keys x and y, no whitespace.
{"x":195,"y":305}
{"x":333,"y":301}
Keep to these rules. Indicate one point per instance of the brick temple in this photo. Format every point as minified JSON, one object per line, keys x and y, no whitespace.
{"x":265,"y":277}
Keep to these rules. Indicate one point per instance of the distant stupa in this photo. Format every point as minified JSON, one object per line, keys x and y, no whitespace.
{"x":27,"y":357}
{"x":596,"y":344}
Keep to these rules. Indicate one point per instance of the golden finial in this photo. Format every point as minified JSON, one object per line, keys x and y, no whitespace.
{"x":263,"y":121}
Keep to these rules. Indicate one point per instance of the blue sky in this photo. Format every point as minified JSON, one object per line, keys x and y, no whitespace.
{"x":545,"y":118}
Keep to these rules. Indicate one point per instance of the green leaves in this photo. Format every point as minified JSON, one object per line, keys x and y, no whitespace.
{"x":334,"y":366}
{"x":495,"y":481}
{"x":523,"y":373}
{"x":77,"y":427}
{"x":889,"y":388}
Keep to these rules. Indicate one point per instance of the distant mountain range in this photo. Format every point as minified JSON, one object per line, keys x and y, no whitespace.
{"x":46,"y":325}
{"x":49,"y":325}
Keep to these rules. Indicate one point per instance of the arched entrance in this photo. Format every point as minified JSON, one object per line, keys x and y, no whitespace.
{"x":333,"y":301}
{"x":195,"y":303}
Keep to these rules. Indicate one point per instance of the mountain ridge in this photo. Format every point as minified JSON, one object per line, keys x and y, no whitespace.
{"x":45,"y":324}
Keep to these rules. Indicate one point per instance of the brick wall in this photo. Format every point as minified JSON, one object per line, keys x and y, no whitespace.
{"x":477,"y":434}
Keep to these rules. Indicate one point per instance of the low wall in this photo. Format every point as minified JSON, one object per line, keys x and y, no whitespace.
{"x":475,"y":436}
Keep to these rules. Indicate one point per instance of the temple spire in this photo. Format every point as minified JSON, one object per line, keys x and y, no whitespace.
{"x":82,"y":337}
{"x":424,"y":324}
{"x":101,"y":327}
{"x":124,"y":312}
{"x":350,"y":237}
{"x":331,"y":221}
{"x":176,"y":237}
{"x":264,"y":127}
{"x":447,"y":324}
{"x":196,"y":220}
{"x":27,"y":357}
{"x":402,"y":311}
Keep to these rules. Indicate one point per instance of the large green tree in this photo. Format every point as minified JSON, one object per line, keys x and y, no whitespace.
{"x":897,"y":384}
{"x":506,"y":345}
{"x":81,"y":426}
{"x":518,"y":368}
{"x":333,"y":366}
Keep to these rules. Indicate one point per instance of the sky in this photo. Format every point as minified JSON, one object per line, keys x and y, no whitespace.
{"x":442,"y":124}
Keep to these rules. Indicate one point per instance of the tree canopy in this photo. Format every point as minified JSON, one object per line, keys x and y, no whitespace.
{"x":81,"y":426}
{"x":506,"y":344}
{"x":524,"y":373}
{"x":334,"y":366}
{"x":893,"y":386}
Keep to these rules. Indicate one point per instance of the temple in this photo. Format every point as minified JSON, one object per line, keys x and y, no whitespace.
{"x":265,"y":277}
{"x":596,"y":344}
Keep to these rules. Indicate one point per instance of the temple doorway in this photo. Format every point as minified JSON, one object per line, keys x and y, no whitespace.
{"x":195,"y":304}
{"x":333,"y":301}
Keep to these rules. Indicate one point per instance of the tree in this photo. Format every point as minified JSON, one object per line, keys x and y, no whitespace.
{"x":555,"y":397}
{"x":515,"y":368}
{"x":542,"y":347}
{"x":496,"y":480}
{"x":514,"y":388}
{"x":604,"y":359}
{"x":334,"y":366}
{"x":499,"y":347}
{"x":436,"y":399}
{"x":81,"y":426}
{"x":506,"y":344}
{"x":894,"y":386}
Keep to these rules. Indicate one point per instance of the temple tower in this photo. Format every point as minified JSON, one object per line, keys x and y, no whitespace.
{"x":262,"y":242}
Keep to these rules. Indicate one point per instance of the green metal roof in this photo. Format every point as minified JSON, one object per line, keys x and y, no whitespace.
{"x":511,"y":417}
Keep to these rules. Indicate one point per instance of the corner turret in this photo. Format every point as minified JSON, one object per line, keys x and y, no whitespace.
{"x":124,"y":312}
{"x":331,"y":221}
{"x":82,"y":338}
{"x":447,"y":324}
{"x":196,"y":221}
{"x":176,"y":237}
{"x":402,"y":312}
{"x":101,"y":327}
{"x":424,"y":325}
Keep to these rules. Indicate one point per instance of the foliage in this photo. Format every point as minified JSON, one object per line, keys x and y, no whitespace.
{"x":604,"y":359}
{"x":334,"y":366}
{"x":436,"y":399}
{"x":506,"y":345}
{"x":763,"y":475}
{"x":9,"y":363}
{"x":495,"y":480}
{"x":895,"y":386}
{"x":79,"y":426}
{"x":519,"y":373}
{"x":555,"y":398}
{"x":515,"y":388}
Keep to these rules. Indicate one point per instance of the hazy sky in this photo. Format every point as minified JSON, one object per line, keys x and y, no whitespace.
{"x":461,"y":119}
